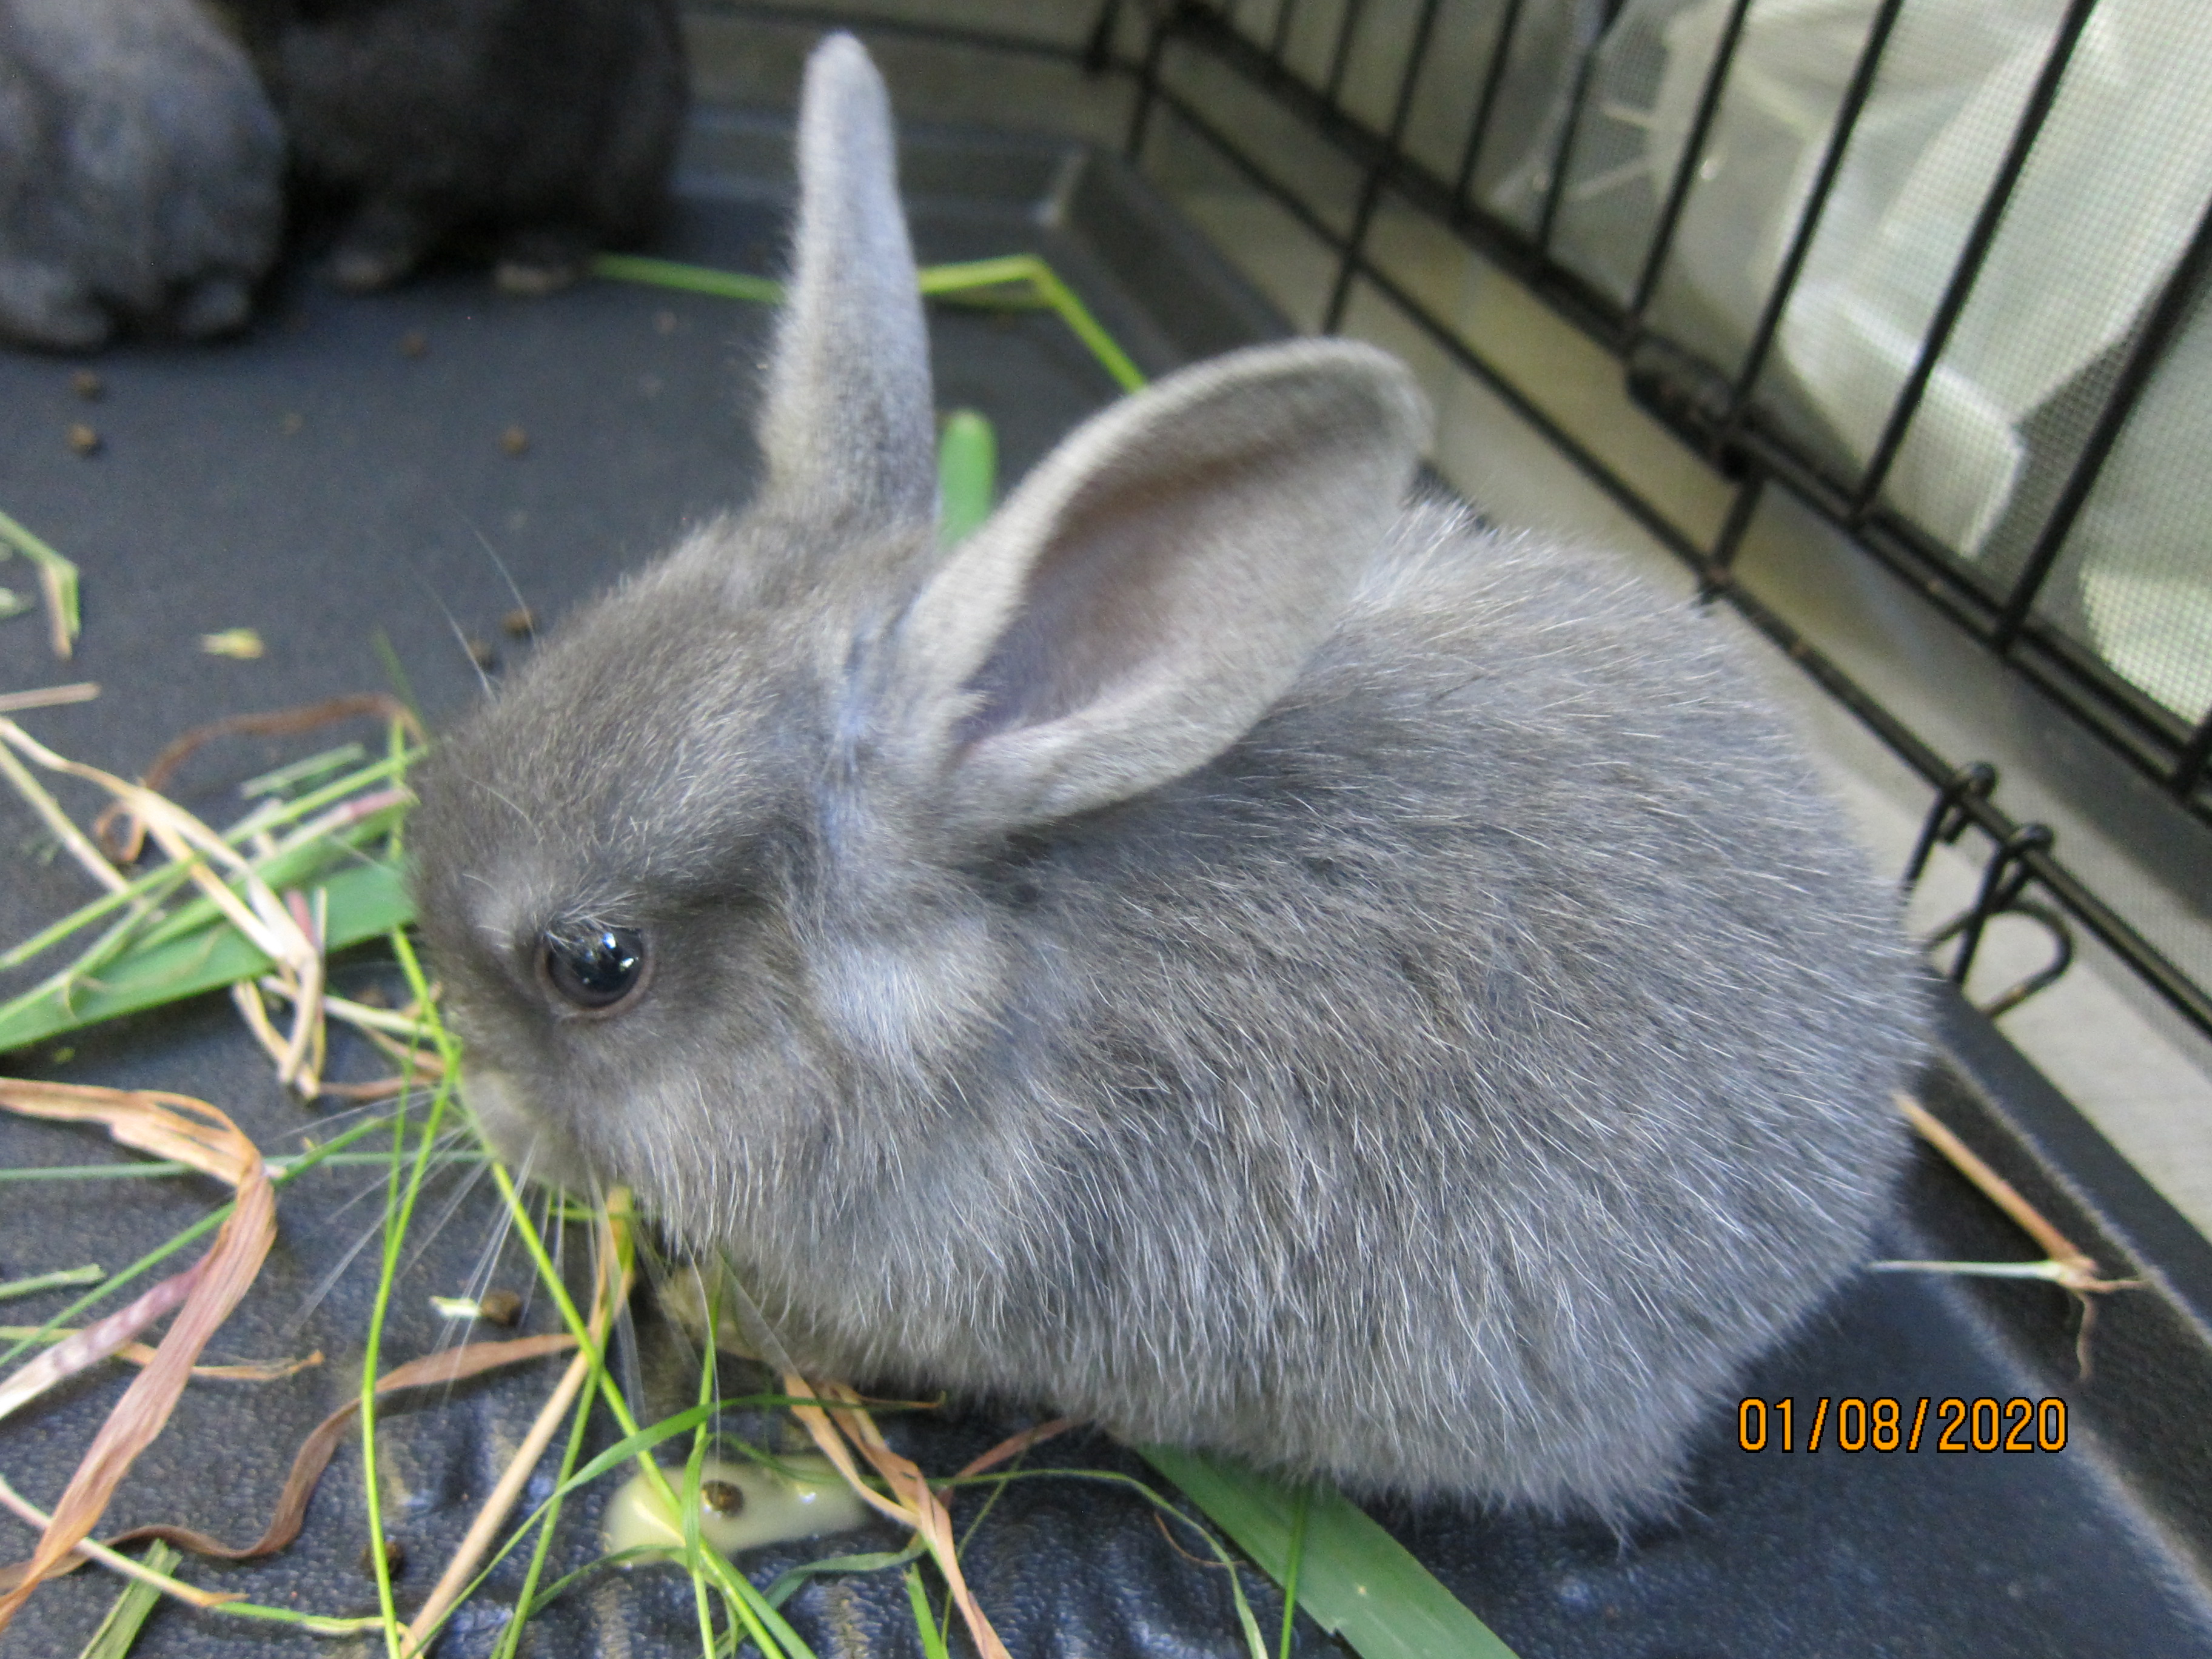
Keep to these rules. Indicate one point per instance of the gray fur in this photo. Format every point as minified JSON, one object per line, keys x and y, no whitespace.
{"x":1445,"y":1072}
{"x":140,"y":172}
{"x":841,"y":393}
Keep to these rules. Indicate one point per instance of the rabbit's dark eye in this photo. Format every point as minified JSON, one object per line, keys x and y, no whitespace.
{"x":594,"y":968}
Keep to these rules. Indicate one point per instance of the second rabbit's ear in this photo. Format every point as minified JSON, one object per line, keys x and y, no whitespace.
{"x":848,"y":427}
{"x":1160,"y":580}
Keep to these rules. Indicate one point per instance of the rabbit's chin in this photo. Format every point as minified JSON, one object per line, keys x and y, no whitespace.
{"x":523,"y":1142}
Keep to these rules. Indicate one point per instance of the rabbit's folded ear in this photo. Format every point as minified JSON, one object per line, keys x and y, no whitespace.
{"x":848,"y":426}
{"x":1159,"y":579}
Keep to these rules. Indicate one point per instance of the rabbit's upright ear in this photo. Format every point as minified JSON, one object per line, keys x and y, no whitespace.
{"x":1160,"y":578}
{"x":848,"y":426}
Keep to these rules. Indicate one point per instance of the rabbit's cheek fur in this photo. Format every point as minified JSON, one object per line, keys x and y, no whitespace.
{"x":523,"y":1139}
{"x":901,"y":997}
{"x":900,"y":961}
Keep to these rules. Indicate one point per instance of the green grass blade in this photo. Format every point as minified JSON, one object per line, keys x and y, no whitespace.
{"x":119,"y":1630}
{"x":571,"y":1480}
{"x":399,"y":1202}
{"x":59,"y":575}
{"x":947,"y":281}
{"x":155,"y":1169}
{"x":770,"y":1633}
{"x":644,"y":1440}
{"x":978,"y":275}
{"x":149,"y":889}
{"x":312,"y":769}
{"x":365,"y":901}
{"x":1355,"y":1580}
{"x":207,"y":1224}
{"x":319,"y":1624}
{"x":691,"y":279}
{"x":302,"y":866}
{"x":1300,"y":1515}
{"x":560,"y":1586}
{"x":1087,"y":329}
{"x":924,"y":1622}
{"x":1254,"y":1645}
{"x":789,"y":1581}
{"x":290,"y":866}
{"x":970,"y":276}
{"x":395,"y":672}
{"x":967,"y":474}
{"x":86,"y":1275}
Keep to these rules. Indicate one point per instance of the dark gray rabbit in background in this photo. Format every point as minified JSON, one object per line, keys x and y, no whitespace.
{"x":140,"y":172}
{"x":550,"y":125}
{"x":1223,"y":951}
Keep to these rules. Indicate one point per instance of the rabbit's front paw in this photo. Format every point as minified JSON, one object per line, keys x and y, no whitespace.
{"x":44,"y":305}
{"x":213,"y":306}
{"x":385,"y":240}
{"x":543,"y":259}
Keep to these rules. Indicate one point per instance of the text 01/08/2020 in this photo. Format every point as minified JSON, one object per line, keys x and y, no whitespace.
{"x":1884,"y":1424}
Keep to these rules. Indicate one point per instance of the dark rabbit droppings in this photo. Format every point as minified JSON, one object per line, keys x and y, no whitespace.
{"x":514,"y":440}
{"x":519,"y":623}
{"x":501,"y":1308}
{"x":88,"y":385}
{"x":724,"y":1497}
{"x":414,"y":343}
{"x":1224,"y":952}
{"x":84,"y":440}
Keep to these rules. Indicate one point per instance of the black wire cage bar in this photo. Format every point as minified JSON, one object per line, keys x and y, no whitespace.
{"x":1732,"y":407}
{"x":1719,"y":415}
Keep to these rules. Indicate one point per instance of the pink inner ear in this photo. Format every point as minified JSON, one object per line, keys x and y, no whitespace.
{"x":1163,"y":577}
{"x":1113,"y":597}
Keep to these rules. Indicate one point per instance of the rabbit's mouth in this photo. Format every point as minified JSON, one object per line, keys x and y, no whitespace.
{"x":533,"y":1149}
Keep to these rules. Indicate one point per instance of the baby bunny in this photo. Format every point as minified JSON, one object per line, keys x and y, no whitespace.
{"x":140,"y":172}
{"x":1222,"y":950}
{"x":550,"y":125}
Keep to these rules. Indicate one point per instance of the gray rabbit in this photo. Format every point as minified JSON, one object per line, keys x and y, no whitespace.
{"x":140,"y":172}
{"x":549,"y":124}
{"x":1221,"y":951}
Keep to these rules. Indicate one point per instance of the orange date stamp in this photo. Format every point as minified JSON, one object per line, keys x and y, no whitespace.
{"x":1850,"y":1423}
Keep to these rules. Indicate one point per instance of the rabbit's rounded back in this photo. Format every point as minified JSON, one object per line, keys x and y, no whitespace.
{"x":1222,"y":950}
{"x":140,"y":171}
{"x":550,"y":124}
